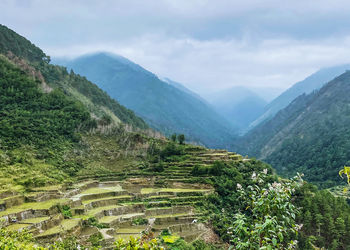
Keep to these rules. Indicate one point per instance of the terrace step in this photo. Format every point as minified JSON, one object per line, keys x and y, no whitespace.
{"x":154,"y":204}
{"x":66,"y":226}
{"x":159,"y":197}
{"x":133,"y":230}
{"x":11,"y":201}
{"x":168,"y":210}
{"x":101,"y":202}
{"x":32,"y":210}
{"x":112,"y":210}
{"x":112,"y":221}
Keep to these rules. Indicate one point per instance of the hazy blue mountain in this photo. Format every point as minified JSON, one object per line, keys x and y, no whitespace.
{"x":310,"y":136}
{"x":238,"y":105}
{"x":183,"y":88}
{"x":309,"y":84}
{"x":266,"y":93}
{"x":163,"y":106}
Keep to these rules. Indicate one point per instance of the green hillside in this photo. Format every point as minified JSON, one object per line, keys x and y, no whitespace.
{"x":310,"y":136}
{"x":75,"y":178}
{"x":36,"y":63}
{"x":164,"y":107}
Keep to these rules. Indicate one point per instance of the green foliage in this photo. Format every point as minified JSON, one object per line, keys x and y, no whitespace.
{"x":165,"y":241}
{"x":226,"y":197}
{"x":139,"y":221}
{"x":146,"y":242}
{"x":325,"y":219}
{"x":66,"y":212}
{"x":92,"y":221}
{"x":266,"y":218}
{"x":181,"y":138}
{"x":14,"y":240}
{"x":158,"y":167}
{"x":170,"y":150}
{"x":48,"y":122}
{"x":96,"y":240}
{"x":173,"y":137}
{"x":18,"y":45}
{"x":31,"y":117}
{"x":213,"y":170}
{"x":198,"y":170}
{"x":309,"y":136}
{"x":68,"y":243}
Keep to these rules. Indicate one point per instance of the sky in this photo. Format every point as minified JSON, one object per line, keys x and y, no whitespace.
{"x":207,"y":45}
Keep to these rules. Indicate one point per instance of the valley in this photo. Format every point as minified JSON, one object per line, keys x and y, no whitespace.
{"x":79,"y":170}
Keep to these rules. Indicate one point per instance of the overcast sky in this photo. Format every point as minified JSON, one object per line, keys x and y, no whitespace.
{"x":206,"y":45}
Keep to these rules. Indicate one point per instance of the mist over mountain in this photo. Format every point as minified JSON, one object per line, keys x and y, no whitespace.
{"x":238,"y":105}
{"x":306,"y":86}
{"x":183,"y":89}
{"x":165,"y":107}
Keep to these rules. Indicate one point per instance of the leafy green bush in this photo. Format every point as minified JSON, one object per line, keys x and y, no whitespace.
{"x":96,"y":240}
{"x":65,"y":211}
{"x":139,"y":221}
{"x":198,"y":170}
{"x":92,"y":221}
{"x":158,"y":167}
{"x":171,"y":149}
{"x":267,"y":215}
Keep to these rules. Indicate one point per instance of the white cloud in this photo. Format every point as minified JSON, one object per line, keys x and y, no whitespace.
{"x":205,"y":44}
{"x":217,"y":64}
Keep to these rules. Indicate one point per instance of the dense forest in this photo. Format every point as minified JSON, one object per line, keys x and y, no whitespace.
{"x":309,"y":136}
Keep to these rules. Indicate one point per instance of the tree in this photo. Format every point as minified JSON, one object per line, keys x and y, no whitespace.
{"x":181,"y":138}
{"x":266,"y":219}
{"x":173,"y":137}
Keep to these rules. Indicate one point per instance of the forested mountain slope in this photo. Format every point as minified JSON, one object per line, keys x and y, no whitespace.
{"x":44,"y":111}
{"x":310,"y":136}
{"x":309,"y":84}
{"x":33,"y":60}
{"x":164,"y":107}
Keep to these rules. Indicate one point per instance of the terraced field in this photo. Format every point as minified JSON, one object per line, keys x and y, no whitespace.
{"x":117,"y":207}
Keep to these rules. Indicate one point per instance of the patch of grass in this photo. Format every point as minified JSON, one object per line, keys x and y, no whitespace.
{"x":100,"y":190}
{"x":17,"y":226}
{"x":121,"y":197}
{"x":35,"y":220}
{"x":108,"y":219}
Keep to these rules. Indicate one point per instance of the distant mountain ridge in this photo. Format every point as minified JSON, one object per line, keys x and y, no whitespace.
{"x":165,"y":107}
{"x":306,"y":86}
{"x":310,"y":136}
{"x":183,"y":88}
{"x":238,"y":105}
